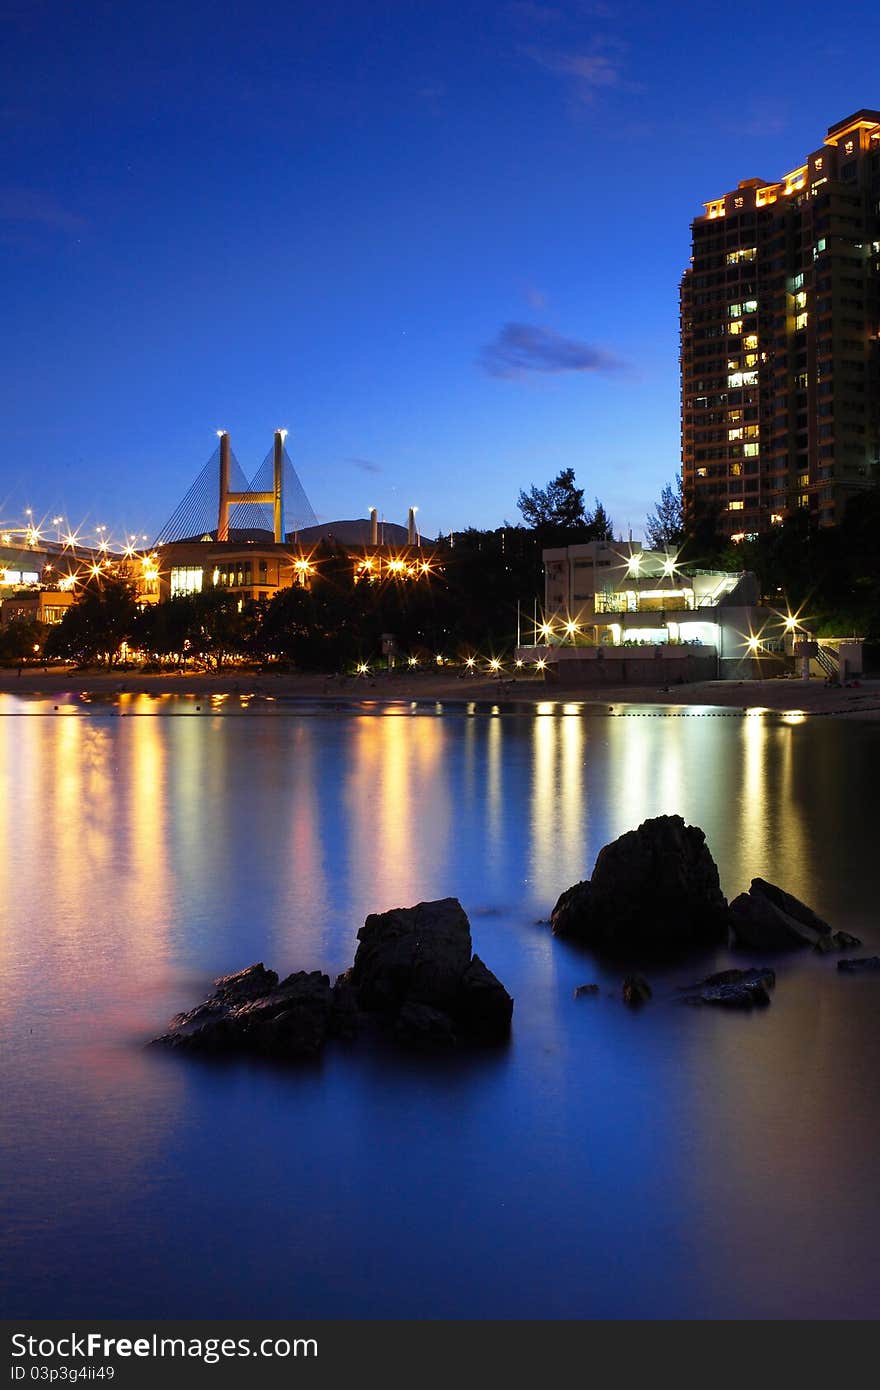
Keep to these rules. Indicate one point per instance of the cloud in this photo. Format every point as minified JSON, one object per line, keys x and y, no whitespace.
{"x":366,"y":465}
{"x":590,"y":71}
{"x":26,"y":205}
{"x":524,"y":347}
{"x":536,"y":298}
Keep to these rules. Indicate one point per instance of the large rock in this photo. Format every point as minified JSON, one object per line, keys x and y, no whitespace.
{"x":413,"y":975}
{"x":412,"y":953}
{"x":769,"y":919}
{"x":251,"y":1012}
{"x":654,"y":890}
{"x":414,"y":971}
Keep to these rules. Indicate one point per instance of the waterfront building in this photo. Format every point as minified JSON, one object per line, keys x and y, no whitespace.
{"x":780,"y":357}
{"x":615,"y":610}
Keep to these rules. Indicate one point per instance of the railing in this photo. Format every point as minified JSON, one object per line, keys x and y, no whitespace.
{"x":829,"y":661}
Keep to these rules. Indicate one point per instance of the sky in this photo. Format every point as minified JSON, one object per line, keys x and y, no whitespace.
{"x":440,"y":243}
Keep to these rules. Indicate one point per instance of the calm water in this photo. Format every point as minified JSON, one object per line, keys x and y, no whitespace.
{"x":669,"y":1163}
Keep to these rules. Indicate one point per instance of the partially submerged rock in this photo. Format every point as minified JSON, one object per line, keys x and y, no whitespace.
{"x":769,"y":919}
{"x":581,"y":990}
{"x":251,"y":1012}
{"x":414,"y":974}
{"x":635,"y":990}
{"x":421,"y":956}
{"x":654,"y":889}
{"x":732,"y":989}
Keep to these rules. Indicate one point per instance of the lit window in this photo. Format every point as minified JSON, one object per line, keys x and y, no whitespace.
{"x":701,"y":472}
{"x":738,"y":202}
{"x":798,"y":281}
{"x":750,"y":340}
{"x":735,"y":310}
{"x":775,"y":518}
{"x":804,"y":480}
{"x":735,"y":327}
{"x":800,"y":322}
{"x":750,"y":306}
{"x":817,"y":162}
{"x":735,"y":433}
{"x":848,"y":147}
{"x":800,"y":299}
{"x":804,"y":500}
{"x":736,"y":470}
{"x":735,"y":506}
{"x":819,"y":247}
{"x":751,"y":359}
{"x":733,"y":364}
{"x":751,"y":451}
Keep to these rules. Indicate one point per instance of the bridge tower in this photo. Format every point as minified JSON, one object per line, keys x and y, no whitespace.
{"x":229,"y":498}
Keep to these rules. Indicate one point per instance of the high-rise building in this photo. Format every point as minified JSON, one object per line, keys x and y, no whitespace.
{"x":780,"y":354}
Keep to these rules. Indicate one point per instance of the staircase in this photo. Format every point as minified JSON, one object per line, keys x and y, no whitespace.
{"x":827,"y":659}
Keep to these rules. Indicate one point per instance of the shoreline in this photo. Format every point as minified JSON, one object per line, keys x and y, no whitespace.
{"x":811,"y":697}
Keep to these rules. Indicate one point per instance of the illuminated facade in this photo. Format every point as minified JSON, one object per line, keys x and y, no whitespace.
{"x":602,"y":598}
{"x":780,"y":356}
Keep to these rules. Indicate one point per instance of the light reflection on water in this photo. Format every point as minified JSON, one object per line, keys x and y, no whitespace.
{"x":663,"y":1164}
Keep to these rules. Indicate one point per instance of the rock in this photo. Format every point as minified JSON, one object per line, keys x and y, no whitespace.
{"x":422,"y":956}
{"x":655,"y":889}
{"x":483,"y":1009}
{"x":844,"y":941}
{"x":769,"y":919}
{"x":418,"y":953}
{"x":291,"y":1020}
{"x":636,"y":991}
{"x":860,"y":965}
{"x":581,"y":990}
{"x":413,"y":976}
{"x":733,"y":989}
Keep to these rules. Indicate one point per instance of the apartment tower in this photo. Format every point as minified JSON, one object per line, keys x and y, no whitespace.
{"x":780,"y":357}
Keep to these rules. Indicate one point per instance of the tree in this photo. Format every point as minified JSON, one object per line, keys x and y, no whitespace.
{"x":599,"y":524}
{"x":559,"y":505}
{"x":94,"y":628}
{"x":664,"y":529}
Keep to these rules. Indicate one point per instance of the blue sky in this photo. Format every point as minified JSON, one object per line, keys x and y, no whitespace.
{"x":440,"y":243}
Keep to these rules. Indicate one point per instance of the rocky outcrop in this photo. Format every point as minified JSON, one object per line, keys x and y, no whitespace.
{"x":414,"y":975}
{"x":414,"y":964}
{"x":732,"y":989}
{"x":251,"y":1012}
{"x":654,"y":890}
{"x":769,"y":919}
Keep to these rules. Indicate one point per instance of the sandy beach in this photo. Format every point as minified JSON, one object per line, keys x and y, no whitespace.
{"x":811,"y":697}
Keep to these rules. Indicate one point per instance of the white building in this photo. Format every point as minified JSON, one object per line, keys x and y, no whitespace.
{"x":644,"y":617}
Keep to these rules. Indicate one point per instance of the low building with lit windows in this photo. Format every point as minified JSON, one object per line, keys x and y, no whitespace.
{"x":617,"y":612}
{"x":35,"y":606}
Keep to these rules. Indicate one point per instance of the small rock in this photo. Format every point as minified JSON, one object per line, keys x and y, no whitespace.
{"x":860,"y":965}
{"x":581,"y":990}
{"x":844,"y":941}
{"x":636,"y":990}
{"x":769,"y":919}
{"x":733,"y":989}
